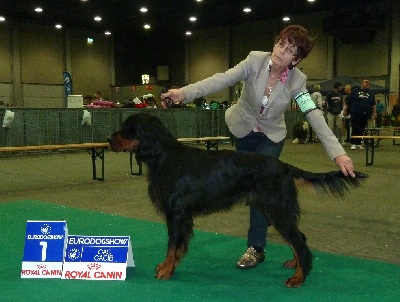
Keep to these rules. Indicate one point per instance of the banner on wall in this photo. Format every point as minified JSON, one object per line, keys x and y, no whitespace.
{"x":67,"y":83}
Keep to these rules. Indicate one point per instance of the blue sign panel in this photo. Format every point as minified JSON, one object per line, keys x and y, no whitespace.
{"x":67,"y":83}
{"x":97,"y":249}
{"x":45,"y":241}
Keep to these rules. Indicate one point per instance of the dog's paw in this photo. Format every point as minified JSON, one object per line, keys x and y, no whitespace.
{"x":294,"y":282}
{"x":163,"y":272}
{"x":160,"y":266}
{"x":163,"y":275}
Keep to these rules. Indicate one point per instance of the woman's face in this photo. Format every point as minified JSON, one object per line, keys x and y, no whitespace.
{"x":284,"y":54}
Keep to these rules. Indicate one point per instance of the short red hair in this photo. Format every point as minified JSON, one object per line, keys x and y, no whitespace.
{"x":297,"y":35}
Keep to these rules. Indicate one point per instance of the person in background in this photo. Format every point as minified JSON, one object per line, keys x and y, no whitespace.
{"x":379,"y":111}
{"x":316,"y":96}
{"x":395,"y":115}
{"x":270,"y":82}
{"x":334,"y":104}
{"x":97,"y":96}
{"x":87,"y":100}
{"x":361,"y":106}
{"x":347,"y":118}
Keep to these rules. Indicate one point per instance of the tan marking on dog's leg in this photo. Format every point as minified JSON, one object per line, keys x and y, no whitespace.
{"x":179,"y":254}
{"x":290,"y":263}
{"x":298,"y":278}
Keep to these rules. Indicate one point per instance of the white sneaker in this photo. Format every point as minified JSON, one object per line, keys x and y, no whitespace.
{"x":360,"y":147}
{"x":353,"y":147}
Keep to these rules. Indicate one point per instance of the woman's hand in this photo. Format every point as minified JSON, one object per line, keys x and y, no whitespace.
{"x":345,"y":164}
{"x":177,"y":95}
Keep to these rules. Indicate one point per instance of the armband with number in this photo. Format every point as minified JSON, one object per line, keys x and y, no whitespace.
{"x":305,"y":103}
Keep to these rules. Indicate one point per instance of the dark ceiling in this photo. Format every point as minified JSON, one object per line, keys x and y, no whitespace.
{"x":170,"y":16}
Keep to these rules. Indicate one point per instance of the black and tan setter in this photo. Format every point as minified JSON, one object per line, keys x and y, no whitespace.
{"x":185,"y":182}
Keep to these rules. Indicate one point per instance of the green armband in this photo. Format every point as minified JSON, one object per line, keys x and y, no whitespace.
{"x":306,"y":104}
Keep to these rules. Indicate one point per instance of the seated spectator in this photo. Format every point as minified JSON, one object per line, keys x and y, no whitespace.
{"x":87,"y":100}
{"x":97,"y":96}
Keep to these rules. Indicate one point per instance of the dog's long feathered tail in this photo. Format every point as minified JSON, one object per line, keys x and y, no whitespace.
{"x":333,"y":183}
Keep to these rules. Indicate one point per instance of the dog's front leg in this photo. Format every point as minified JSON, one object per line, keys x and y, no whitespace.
{"x":179,"y":233}
{"x":166,"y":269}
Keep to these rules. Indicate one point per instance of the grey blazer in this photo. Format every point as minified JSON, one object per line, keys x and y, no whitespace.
{"x":244,"y":116}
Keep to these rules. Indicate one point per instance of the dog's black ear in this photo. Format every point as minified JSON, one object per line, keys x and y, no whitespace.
{"x":138,"y":126}
{"x":146,"y":150}
{"x":129,"y":128}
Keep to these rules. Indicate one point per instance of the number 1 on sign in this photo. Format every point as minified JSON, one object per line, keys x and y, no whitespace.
{"x":44,"y":248}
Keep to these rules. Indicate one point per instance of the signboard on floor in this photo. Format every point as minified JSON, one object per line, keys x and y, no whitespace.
{"x":97,"y":257}
{"x":45,"y":243}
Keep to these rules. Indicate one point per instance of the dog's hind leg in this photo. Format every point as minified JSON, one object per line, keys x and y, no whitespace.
{"x":293,"y":262}
{"x":180,"y":230}
{"x":286,"y":225}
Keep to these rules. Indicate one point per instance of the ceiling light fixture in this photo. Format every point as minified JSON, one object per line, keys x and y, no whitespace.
{"x":143,"y":9}
{"x":286,"y":19}
{"x":107,"y":33}
{"x":247,"y":9}
{"x":2,"y":19}
{"x":58,"y":26}
{"x":97,"y":18}
{"x":193,"y":19}
{"x":38,"y":9}
{"x":188,"y":33}
{"x":147,"y":26}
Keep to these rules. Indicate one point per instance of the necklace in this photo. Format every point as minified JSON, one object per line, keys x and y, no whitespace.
{"x":269,"y":90}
